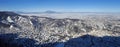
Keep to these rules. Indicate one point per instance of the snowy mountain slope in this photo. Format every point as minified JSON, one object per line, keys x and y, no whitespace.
{"x":49,"y":30}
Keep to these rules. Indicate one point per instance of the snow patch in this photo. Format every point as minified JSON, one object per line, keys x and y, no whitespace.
{"x":9,"y":19}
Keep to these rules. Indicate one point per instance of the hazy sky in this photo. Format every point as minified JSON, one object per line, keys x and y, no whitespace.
{"x":61,"y":5}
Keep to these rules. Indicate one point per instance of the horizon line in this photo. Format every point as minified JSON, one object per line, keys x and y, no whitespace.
{"x":60,"y":11}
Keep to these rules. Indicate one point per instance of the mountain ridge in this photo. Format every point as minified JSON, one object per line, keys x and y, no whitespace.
{"x":46,"y":30}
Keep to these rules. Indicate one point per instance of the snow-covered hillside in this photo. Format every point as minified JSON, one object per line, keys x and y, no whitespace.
{"x":70,"y":31}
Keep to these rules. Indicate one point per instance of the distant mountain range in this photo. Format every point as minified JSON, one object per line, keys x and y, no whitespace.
{"x":49,"y":11}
